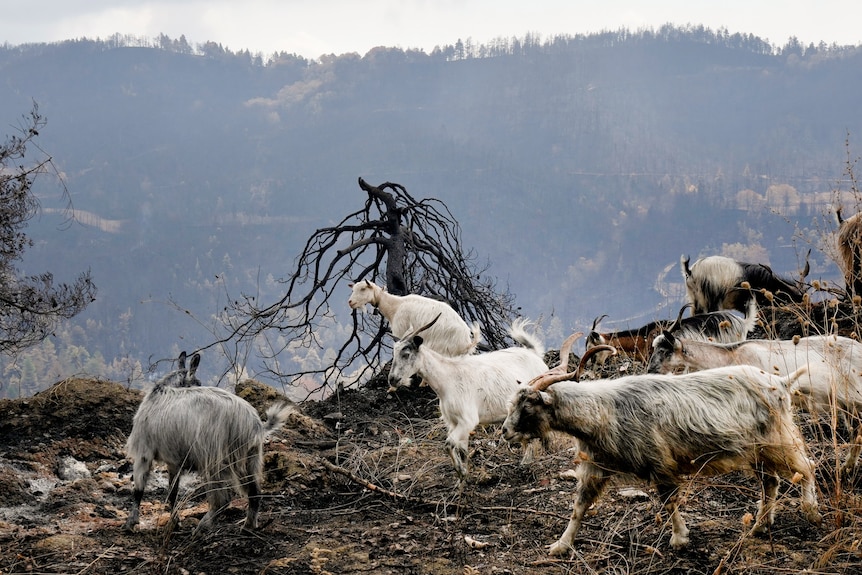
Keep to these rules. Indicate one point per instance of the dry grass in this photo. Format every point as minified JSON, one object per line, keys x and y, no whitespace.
{"x":377,"y":496}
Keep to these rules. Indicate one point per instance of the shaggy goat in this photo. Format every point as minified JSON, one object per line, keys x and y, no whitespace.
{"x":714,"y":283}
{"x":850,"y":251}
{"x":472,"y":389}
{"x":202,"y":429}
{"x":450,"y":335}
{"x":660,"y":427}
{"x":834,"y":378}
{"x":723,"y":326}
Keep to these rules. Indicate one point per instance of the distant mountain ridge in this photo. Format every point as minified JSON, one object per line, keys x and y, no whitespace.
{"x":579,"y":167}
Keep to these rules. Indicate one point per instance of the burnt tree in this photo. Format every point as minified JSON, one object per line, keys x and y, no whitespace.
{"x":410,"y":245}
{"x":30,"y":306}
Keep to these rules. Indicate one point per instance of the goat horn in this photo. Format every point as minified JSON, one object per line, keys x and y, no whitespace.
{"x":566,"y":348}
{"x":558,"y":373}
{"x":805,"y":271}
{"x":675,"y":325}
{"x":423,"y":328}
{"x":597,"y":320}
{"x":546,"y":380}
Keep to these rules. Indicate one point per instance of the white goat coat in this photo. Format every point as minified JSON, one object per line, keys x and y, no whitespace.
{"x":450,"y":334}
{"x":833,"y":379}
{"x":472,"y":389}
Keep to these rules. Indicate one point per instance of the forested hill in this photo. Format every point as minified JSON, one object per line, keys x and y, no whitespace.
{"x":579,"y":168}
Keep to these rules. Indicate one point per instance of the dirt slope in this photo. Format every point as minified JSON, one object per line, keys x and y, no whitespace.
{"x":375,"y":496}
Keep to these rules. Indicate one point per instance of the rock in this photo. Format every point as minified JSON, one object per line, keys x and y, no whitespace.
{"x":70,"y":469}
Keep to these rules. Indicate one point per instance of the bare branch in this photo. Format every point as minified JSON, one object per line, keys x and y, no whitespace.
{"x":413,"y":246}
{"x":30,"y":307}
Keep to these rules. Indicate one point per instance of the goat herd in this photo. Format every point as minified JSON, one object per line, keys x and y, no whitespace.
{"x":712,"y":401}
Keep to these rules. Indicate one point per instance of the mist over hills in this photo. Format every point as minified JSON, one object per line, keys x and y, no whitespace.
{"x":579,"y":168}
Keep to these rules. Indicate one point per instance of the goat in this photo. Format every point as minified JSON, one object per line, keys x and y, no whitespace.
{"x":472,"y":389}
{"x":631,"y":342}
{"x":723,"y":326}
{"x":202,"y":429}
{"x":714,"y":283}
{"x":450,"y":336}
{"x":850,"y":251}
{"x":834,"y":378}
{"x":660,"y":427}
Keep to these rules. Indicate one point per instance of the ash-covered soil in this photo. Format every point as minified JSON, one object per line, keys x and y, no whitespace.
{"x":361,"y":484}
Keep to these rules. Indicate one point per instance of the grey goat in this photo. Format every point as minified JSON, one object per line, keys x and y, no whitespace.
{"x":202,"y":429}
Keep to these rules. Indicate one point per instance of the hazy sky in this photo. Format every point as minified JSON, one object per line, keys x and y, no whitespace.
{"x":311,"y":28}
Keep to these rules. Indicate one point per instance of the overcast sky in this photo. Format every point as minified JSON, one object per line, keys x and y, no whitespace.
{"x":311,"y":28}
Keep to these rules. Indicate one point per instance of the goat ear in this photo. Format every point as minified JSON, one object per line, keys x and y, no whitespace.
{"x":181,"y":361}
{"x":193,"y":367}
{"x":546,"y":397}
{"x":661,"y":341}
{"x":417,"y":340}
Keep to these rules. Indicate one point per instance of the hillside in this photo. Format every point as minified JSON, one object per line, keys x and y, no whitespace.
{"x":320,"y":521}
{"x":374,"y":494}
{"x":197,"y":174}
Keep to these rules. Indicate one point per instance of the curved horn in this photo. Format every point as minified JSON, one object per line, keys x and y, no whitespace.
{"x":566,"y":349}
{"x":546,"y":380}
{"x":423,"y":328}
{"x":805,"y":271}
{"x":538,"y":382}
{"x":675,"y":325}
{"x":597,"y":320}
{"x":590,"y":353}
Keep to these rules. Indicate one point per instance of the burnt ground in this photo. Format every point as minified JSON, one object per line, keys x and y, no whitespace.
{"x":360,"y":484}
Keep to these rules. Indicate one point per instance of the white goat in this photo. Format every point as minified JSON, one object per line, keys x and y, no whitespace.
{"x":450,"y":335}
{"x":472,"y":389}
{"x":833,"y":381}
{"x":660,"y":427}
{"x":203,"y":429}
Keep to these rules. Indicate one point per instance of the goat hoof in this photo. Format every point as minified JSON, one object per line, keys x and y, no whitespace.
{"x":814,"y":517}
{"x":559,"y":548}
{"x":249,"y":526}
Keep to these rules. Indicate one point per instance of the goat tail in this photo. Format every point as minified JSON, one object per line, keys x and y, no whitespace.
{"x":276,"y":416}
{"x":519,"y":333}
